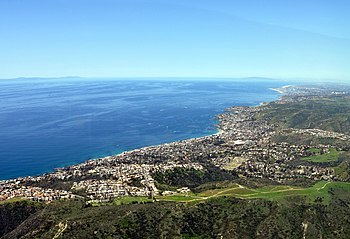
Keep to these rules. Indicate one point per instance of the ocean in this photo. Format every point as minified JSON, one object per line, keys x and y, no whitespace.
{"x":50,"y":123}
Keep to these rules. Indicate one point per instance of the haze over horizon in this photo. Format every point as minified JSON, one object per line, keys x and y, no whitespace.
{"x":150,"y":38}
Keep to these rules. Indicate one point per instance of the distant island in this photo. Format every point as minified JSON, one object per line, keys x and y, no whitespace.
{"x":277,"y":170}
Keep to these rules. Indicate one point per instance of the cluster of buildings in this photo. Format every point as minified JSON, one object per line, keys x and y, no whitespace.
{"x":319,"y":133}
{"x":105,"y":190}
{"x":281,"y":172}
{"x":266,"y":159}
{"x":97,"y":180}
{"x":14,"y":189}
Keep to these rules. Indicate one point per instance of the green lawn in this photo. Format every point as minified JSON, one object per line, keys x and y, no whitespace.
{"x":332,"y":155}
{"x":314,"y":150}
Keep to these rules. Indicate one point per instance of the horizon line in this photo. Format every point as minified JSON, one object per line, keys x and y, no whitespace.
{"x":307,"y":79}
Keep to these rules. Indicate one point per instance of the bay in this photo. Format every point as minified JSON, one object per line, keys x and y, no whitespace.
{"x":50,"y":123}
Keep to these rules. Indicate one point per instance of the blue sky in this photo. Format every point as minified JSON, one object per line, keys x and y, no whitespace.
{"x":190,"y":38}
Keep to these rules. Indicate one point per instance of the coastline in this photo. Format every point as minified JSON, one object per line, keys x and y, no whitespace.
{"x":279,"y":90}
{"x":217,"y":133}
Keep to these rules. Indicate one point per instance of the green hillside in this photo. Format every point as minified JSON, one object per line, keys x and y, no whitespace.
{"x":327,"y":113}
{"x":232,"y":212}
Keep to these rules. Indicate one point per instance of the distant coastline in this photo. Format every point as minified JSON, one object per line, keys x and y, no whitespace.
{"x":281,"y":90}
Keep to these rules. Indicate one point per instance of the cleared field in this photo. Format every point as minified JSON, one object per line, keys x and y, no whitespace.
{"x":213,"y":192}
{"x":320,"y":190}
{"x":235,"y":163}
{"x":180,"y":198}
